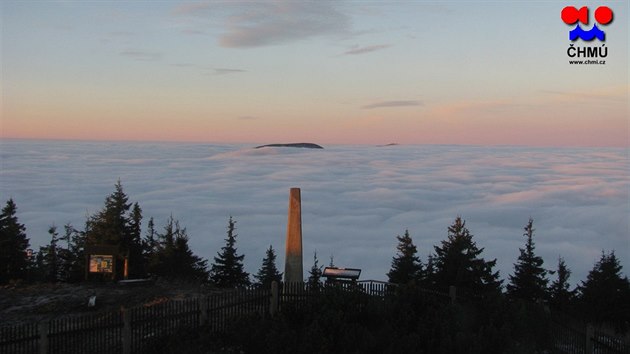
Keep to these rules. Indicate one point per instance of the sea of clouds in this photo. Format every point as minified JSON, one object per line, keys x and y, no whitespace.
{"x":355,"y":199}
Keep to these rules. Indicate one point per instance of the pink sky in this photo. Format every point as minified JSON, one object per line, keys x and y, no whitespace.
{"x":343,"y":74}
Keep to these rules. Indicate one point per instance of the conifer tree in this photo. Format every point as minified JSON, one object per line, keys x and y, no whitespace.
{"x":268,"y":272}
{"x":605,"y":295}
{"x":458,"y":262}
{"x":50,"y":255}
{"x":529,"y":281}
{"x":559,"y":295}
{"x":111,"y":225}
{"x":74,"y":262}
{"x":39,"y":267}
{"x":429,"y":273}
{"x":315,"y":273}
{"x":133,"y":242}
{"x":406,"y":266}
{"x":118,"y":225}
{"x":52,"y":262}
{"x":150,"y":247}
{"x":162,"y":261}
{"x":227,"y":271}
{"x":173,"y":257}
{"x":14,"y":260}
{"x":185,"y":263}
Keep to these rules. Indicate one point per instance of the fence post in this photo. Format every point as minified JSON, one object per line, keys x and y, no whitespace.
{"x":43,"y":337}
{"x":273,"y":305}
{"x":452,"y":292}
{"x":590,"y":333}
{"x":126,"y":335}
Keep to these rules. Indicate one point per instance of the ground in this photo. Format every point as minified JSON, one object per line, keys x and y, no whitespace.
{"x":24,"y":303}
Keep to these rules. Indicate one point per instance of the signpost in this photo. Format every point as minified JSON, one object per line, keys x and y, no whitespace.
{"x":101,"y":261}
{"x":336,"y":275}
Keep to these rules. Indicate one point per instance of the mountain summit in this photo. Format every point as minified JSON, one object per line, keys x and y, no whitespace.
{"x":295,"y":145}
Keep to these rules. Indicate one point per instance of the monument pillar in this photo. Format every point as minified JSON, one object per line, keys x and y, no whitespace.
{"x":293,"y":259}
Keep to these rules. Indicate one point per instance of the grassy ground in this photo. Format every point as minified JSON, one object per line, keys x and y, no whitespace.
{"x":22,"y":303}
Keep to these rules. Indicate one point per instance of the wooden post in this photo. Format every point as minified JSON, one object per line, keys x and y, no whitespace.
{"x":273,"y":305}
{"x":126,"y":268}
{"x":590,"y":333}
{"x":126,"y":335}
{"x":43,"y":337}
{"x":452,"y":292}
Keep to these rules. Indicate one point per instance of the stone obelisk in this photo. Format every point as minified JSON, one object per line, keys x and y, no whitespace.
{"x":293,"y":257}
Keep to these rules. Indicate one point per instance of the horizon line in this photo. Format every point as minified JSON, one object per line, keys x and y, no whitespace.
{"x":382,"y":144}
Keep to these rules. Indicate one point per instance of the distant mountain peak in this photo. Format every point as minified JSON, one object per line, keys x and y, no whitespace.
{"x":294,"y":145}
{"x":390,"y":144}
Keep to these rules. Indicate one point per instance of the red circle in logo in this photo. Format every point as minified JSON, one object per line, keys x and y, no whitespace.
{"x":571,"y":15}
{"x":603,"y":15}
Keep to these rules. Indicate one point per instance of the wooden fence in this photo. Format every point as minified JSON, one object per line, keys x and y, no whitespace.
{"x":131,"y":330}
{"x":300,"y":292}
{"x":571,"y":336}
{"x":604,"y":343}
{"x":23,"y":338}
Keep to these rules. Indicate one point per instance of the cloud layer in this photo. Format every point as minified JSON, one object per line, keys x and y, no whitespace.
{"x":367,"y":49}
{"x":389,"y":104}
{"x":356,"y":199}
{"x":281,"y":22}
{"x":141,"y":55}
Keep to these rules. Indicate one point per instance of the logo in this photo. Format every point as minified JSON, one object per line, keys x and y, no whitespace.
{"x":570,"y":15}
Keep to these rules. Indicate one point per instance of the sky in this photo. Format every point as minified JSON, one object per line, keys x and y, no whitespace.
{"x":342,"y":72}
{"x":355,"y":199}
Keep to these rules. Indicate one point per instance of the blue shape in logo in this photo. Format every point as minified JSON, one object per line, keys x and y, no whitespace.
{"x":589,"y":35}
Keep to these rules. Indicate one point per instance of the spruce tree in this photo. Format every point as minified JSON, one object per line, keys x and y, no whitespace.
{"x":52,"y":262}
{"x":39,"y":267}
{"x":150,"y":247}
{"x":51,"y":257}
{"x":162,"y":261}
{"x":529,"y":281}
{"x":406,"y":266}
{"x":74,"y":262}
{"x":227,"y":271}
{"x":429,"y":273}
{"x":458,"y":262}
{"x":172,"y":257}
{"x":314,"y":281}
{"x":111,"y":226}
{"x":559,"y":295}
{"x":185,"y":263}
{"x":133,"y":243}
{"x":14,"y":260}
{"x":605,"y":295}
{"x":268,"y":271}
{"x":118,"y":225}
